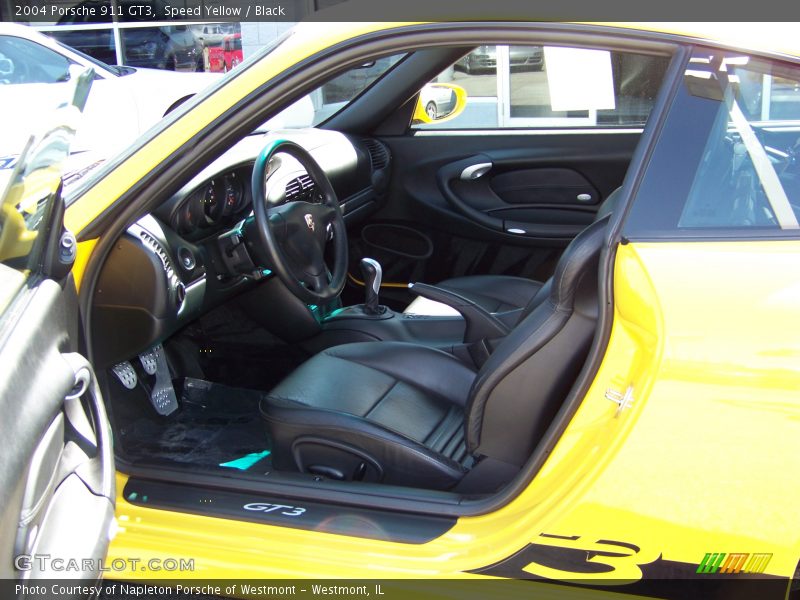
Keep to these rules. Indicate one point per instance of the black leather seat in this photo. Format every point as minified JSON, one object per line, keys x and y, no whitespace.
{"x":411,"y":415}
{"x":504,"y":293}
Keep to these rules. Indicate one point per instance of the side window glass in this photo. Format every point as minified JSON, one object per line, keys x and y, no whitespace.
{"x":726,"y":161}
{"x":548,"y":86}
{"x":748,"y":174}
{"x":332,"y":96}
{"x":23,"y":61}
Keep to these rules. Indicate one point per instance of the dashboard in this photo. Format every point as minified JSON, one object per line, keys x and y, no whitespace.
{"x":177,"y":263}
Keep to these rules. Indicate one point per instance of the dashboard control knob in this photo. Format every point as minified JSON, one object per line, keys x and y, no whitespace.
{"x":186,"y":257}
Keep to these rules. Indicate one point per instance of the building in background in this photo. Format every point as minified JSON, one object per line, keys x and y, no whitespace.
{"x":143,"y":33}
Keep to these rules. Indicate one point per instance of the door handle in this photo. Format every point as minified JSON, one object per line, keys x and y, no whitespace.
{"x":98,"y":473}
{"x":475,"y":171}
{"x":622,"y":400}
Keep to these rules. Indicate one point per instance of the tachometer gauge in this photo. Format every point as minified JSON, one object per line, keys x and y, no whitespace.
{"x":213,"y":204}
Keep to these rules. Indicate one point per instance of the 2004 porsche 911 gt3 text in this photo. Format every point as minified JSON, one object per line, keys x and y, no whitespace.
{"x":544,"y":330}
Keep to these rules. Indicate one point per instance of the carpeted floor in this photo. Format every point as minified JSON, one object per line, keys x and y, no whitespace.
{"x":215,"y":424}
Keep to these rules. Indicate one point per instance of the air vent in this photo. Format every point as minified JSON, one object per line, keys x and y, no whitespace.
{"x":299,"y":186}
{"x":378,"y":154}
{"x":156,"y":247}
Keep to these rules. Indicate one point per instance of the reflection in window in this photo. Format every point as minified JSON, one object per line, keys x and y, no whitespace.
{"x":23,"y":61}
{"x":512,"y":86}
{"x":322,"y":103}
{"x":748,"y":175}
{"x":174,"y":48}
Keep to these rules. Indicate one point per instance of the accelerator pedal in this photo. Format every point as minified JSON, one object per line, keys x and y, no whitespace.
{"x":162,"y":396}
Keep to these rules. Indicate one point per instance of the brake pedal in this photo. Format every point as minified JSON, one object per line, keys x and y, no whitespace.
{"x":149,"y":360}
{"x":126,"y":374}
{"x":162,"y":396}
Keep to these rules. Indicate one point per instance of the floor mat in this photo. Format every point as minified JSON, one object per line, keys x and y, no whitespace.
{"x":215,"y":425}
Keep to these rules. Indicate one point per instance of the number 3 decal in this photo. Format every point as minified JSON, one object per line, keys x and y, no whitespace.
{"x":561,"y":557}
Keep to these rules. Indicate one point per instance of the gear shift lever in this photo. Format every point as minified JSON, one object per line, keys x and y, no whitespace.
{"x":373,"y":273}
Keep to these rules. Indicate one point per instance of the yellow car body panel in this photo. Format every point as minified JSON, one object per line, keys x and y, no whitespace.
{"x":714,"y":369}
{"x":705,"y":334}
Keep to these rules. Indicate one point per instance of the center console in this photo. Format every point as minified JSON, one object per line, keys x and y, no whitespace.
{"x":371,"y":321}
{"x":467,"y":333}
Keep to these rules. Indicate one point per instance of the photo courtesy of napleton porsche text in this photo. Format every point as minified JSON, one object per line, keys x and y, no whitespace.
{"x":359,"y":298}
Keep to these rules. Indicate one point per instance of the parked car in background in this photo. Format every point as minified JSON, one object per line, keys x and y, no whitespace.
{"x":171,"y":47}
{"x":437,"y":99}
{"x":225,"y":57}
{"x":485,"y":57}
{"x":35,"y":72}
{"x":232,"y":48}
{"x":216,"y":59}
{"x":211,"y":34}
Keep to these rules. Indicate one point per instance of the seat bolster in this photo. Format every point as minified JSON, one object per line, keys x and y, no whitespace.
{"x":524,"y":341}
{"x":434,"y":371}
{"x":405,"y":461}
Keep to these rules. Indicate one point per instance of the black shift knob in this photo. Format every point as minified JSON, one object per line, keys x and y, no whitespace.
{"x":371,"y":269}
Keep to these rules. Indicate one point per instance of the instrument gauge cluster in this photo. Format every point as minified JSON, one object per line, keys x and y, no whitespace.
{"x":217,"y":203}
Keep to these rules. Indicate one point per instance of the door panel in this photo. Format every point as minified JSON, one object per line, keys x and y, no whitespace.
{"x":533,"y":185}
{"x":544,"y":186}
{"x":57,"y":469}
{"x":540,"y":203}
{"x":542,"y":171}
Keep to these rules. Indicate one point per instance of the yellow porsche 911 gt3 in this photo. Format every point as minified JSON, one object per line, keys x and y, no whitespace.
{"x":358,"y":311}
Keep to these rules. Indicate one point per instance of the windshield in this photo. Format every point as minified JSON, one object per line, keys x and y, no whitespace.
{"x":98,"y":63}
{"x":332,"y":96}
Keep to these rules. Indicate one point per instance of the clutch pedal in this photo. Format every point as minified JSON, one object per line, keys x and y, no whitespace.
{"x":126,"y":374}
{"x":162,"y":396}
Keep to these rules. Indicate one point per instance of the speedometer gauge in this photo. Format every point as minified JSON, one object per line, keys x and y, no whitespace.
{"x":234,"y":194}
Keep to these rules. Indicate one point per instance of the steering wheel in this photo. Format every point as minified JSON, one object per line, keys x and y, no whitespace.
{"x":295,"y":234}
